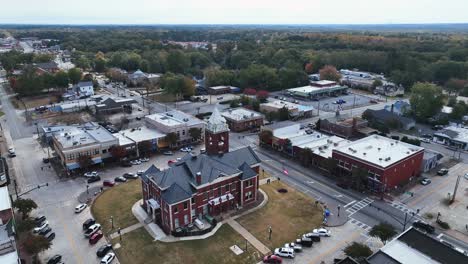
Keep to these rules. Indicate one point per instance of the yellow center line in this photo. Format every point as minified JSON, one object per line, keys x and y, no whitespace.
{"x":322,"y":256}
{"x":69,"y":237}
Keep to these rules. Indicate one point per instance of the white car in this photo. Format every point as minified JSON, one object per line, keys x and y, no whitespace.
{"x":91,"y":174}
{"x":92,"y":229}
{"x":135,"y":162}
{"x":108,"y":258}
{"x":322,"y":232}
{"x":145,"y":159}
{"x":42,"y":226}
{"x":466,"y":176}
{"x":79,"y":208}
{"x":185,"y":149}
{"x":284,"y":252}
{"x":426,"y":140}
{"x":296,"y":247}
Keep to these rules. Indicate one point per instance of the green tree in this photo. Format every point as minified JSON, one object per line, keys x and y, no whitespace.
{"x":83,"y":62}
{"x":383,"y":231}
{"x":265,"y":137}
{"x":359,"y":176}
{"x":145,"y":148}
{"x":291,"y":77}
{"x":118,"y":152}
{"x":24,"y":206}
{"x":283,"y":114}
{"x":177,"y":62}
{"x":329,"y":164}
{"x":100,"y":64}
{"x":36,"y":244}
{"x":259,"y":76}
{"x":61,"y":79}
{"x":74,"y":75}
{"x":25,"y":225}
{"x":329,"y":72}
{"x":195,"y":133}
{"x":172,"y":138}
{"x":358,"y":251}
{"x":460,"y":109}
{"x":85,"y":161}
{"x":426,"y":100}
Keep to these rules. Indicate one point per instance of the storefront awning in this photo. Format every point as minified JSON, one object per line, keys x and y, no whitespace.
{"x":97,"y":160}
{"x":222,"y":199}
{"x":72,"y":166}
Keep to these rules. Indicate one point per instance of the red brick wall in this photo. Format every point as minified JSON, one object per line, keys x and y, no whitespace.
{"x":6,"y":215}
{"x":239,"y":126}
{"x":212,"y":146}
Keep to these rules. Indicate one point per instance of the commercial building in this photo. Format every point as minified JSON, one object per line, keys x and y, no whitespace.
{"x":6,"y":211}
{"x":360,"y":79}
{"x":4,"y":176}
{"x":318,"y":89}
{"x":112,"y":105}
{"x":72,"y":142}
{"x":8,"y":250}
{"x":241,"y":119}
{"x":453,"y":136}
{"x":139,"y":78}
{"x":430,"y":160}
{"x":199,"y":187}
{"x":132,"y":137}
{"x":349,"y":128}
{"x":218,"y":89}
{"x":179,"y":123}
{"x":415,"y":247}
{"x":389,"y":162}
{"x":295,"y":110}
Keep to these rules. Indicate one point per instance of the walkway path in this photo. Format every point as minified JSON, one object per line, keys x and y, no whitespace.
{"x":126,"y":230}
{"x":247,"y":235}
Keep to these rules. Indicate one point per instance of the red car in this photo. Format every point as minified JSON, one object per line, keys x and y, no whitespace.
{"x":95,"y":237}
{"x":272,"y":259}
{"x":171,"y":161}
{"x":108,"y":183}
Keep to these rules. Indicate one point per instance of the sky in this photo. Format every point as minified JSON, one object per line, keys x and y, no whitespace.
{"x":233,"y":11}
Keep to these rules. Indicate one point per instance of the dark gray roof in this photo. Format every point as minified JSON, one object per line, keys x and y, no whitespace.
{"x":447,"y":132}
{"x":385,"y":116}
{"x":183,"y":173}
{"x":47,"y":65}
{"x":175,"y":193}
{"x":247,"y":171}
{"x":82,"y":84}
{"x":347,"y":260}
{"x":380,"y":257}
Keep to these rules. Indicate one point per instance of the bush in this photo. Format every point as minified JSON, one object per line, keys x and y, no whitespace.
{"x":429,"y":215}
{"x":443,"y":224}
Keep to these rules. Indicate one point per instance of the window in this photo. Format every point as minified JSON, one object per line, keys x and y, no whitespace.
{"x":104,"y":151}
{"x":219,"y":191}
{"x":183,"y":132}
{"x":233,"y":187}
{"x":185,"y":205}
{"x":175,"y":210}
{"x":211,"y":193}
{"x":96,"y":151}
{"x":228,"y":188}
{"x":206,"y":195}
{"x":248,"y":195}
{"x":176,"y":222}
{"x":193,"y":200}
{"x":186,"y":220}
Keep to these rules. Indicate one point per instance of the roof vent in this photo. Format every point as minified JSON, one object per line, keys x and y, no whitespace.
{"x":378,"y":149}
{"x":186,"y":119}
{"x":380,"y":159}
{"x":364,"y":153}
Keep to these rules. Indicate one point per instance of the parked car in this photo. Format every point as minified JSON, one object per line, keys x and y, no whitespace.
{"x":322,"y":232}
{"x":92,"y":229}
{"x":442,"y":172}
{"x":315,"y":237}
{"x":140,"y":172}
{"x":125,"y":164}
{"x":94,"y":238}
{"x":41,"y":227}
{"x":272,"y":259}
{"x":46,"y":160}
{"x":79,"y":208}
{"x":11,"y":152}
{"x":169,"y":162}
{"x":135,"y":162}
{"x":425,"y":181}
{"x":285,"y":252}
{"x":91,"y":174}
{"x":130,"y":175}
{"x":89,"y":222}
{"x":108,"y":183}
{"x":94,"y":179}
{"x":168,"y":153}
{"x":426,"y":140}
{"x":138,"y":118}
{"x":120,"y":179}
{"x":39,"y":219}
{"x":55,"y":259}
{"x":144,"y":159}
{"x":202,"y":151}
{"x":108,"y":258}
{"x":296,"y":247}
{"x":102,"y":251}
{"x":466,"y":176}
{"x":185,"y":149}
{"x":305,"y":241}
{"x":44,"y":231}
{"x":50,"y":236}
{"x":423,"y":226}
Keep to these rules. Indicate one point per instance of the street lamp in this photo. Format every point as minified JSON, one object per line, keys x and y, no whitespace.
{"x":112,"y":221}
{"x":339,"y":207}
{"x":87,"y":188}
{"x":269,"y":232}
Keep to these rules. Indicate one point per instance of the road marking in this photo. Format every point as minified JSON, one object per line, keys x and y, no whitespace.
{"x":310,"y":182}
{"x":440,"y":235}
{"x":350,"y":203}
{"x":69,"y":237}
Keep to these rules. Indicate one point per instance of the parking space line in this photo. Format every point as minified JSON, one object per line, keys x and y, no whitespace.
{"x":69,"y":237}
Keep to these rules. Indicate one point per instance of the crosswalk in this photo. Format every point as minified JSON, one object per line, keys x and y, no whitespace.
{"x":360,"y":224}
{"x":404,"y":208}
{"x":359,"y":205}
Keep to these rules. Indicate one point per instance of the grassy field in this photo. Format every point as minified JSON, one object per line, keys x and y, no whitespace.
{"x":117,"y":202}
{"x":139,"y":247}
{"x":289,"y":214}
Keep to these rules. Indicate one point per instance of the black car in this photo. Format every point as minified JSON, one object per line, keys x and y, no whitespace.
{"x":44,"y":231}
{"x":102,"y":251}
{"x":94,"y":179}
{"x":88,"y":223}
{"x":442,"y":172}
{"x":423,"y":226}
{"x":39,"y":219}
{"x":125,"y":164}
{"x":55,"y":259}
{"x":50,"y":236}
{"x":129,"y":175}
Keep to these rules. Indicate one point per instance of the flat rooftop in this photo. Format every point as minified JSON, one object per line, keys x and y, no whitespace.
{"x":69,"y":136}
{"x":280,"y":104}
{"x":221,"y":87}
{"x":314,"y":89}
{"x":239,"y":114}
{"x":174,"y":118}
{"x":142,"y":134}
{"x":324,"y":146}
{"x":323,"y":82}
{"x":4,"y":199}
{"x":461,"y":133}
{"x":378,"y":150}
{"x":123,"y":140}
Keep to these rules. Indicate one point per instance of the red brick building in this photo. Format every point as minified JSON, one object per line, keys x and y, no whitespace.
{"x":389,"y":162}
{"x":6,"y":212}
{"x":200,"y":186}
{"x":242,"y":119}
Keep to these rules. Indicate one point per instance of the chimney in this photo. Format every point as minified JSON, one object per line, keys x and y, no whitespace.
{"x":198,"y":178}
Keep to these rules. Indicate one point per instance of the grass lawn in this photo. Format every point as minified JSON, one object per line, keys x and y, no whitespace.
{"x":117,"y":202}
{"x":290,"y":214}
{"x":139,"y":247}
{"x":1,"y":113}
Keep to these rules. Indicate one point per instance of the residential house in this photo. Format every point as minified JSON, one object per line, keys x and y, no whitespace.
{"x":50,"y":67}
{"x":388,"y":119}
{"x":112,"y":105}
{"x":399,"y":107}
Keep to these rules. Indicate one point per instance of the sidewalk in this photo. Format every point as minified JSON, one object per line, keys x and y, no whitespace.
{"x":154,"y":230}
{"x":126,"y":230}
{"x":247,"y":235}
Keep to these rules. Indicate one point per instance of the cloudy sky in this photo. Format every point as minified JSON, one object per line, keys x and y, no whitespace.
{"x":233,"y":11}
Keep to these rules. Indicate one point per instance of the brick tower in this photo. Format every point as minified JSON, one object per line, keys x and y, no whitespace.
{"x":216,"y":134}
